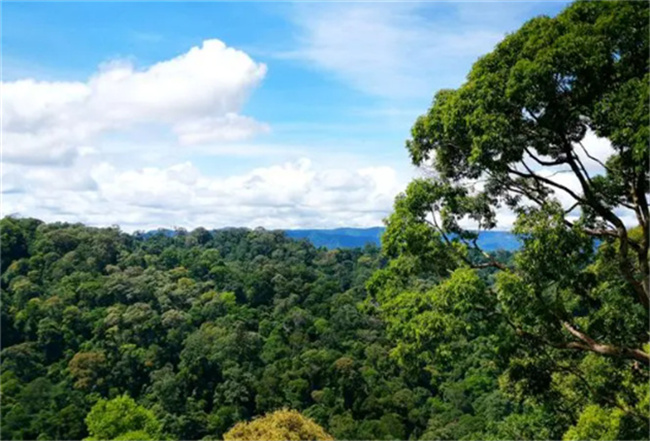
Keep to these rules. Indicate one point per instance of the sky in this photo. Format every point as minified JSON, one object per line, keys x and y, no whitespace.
{"x":215,"y":114}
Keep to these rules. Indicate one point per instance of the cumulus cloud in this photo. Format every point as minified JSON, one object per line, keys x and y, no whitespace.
{"x":198,"y":96}
{"x":79,"y":151}
{"x":229,"y":127}
{"x":292,"y":194}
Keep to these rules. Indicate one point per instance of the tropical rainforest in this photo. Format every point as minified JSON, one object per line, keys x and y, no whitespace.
{"x":244,"y":334}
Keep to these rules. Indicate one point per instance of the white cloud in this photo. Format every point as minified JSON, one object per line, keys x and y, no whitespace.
{"x":390,"y":49}
{"x":198,"y":95}
{"x":229,"y":127}
{"x":290,"y":195}
{"x":94,"y":152}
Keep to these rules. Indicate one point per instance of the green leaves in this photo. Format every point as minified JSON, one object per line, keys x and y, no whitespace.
{"x":596,"y":423}
{"x":122,"y":419}
{"x":573,"y":302}
{"x":281,"y":425}
{"x":535,"y":97}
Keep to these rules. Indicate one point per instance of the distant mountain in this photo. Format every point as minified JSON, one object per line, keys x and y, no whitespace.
{"x":358,"y":237}
{"x":164,"y":231}
{"x":498,"y":240}
{"x":339,"y":237}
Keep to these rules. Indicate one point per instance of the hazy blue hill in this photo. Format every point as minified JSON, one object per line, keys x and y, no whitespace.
{"x":339,"y":237}
{"x":498,"y":240}
{"x":358,"y":237}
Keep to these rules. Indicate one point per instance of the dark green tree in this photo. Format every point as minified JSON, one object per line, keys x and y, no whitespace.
{"x":566,"y":320}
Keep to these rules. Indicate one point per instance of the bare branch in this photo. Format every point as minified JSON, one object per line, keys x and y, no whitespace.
{"x":579,"y":162}
{"x":593,"y":158}
{"x":571,"y":208}
{"x":538,"y":178}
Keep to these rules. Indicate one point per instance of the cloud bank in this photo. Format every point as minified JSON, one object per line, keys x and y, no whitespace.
{"x":290,"y":195}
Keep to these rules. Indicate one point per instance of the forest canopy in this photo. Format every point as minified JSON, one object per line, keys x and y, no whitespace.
{"x":242,"y":334}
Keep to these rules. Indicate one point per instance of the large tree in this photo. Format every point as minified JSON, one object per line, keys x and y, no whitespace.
{"x":525,"y":134}
{"x":512,"y":136}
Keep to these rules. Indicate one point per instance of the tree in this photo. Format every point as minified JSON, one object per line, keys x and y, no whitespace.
{"x":522,"y":117}
{"x":515,"y":135}
{"x":14,"y":242}
{"x":596,"y":423}
{"x":88,"y":369}
{"x":283,"y":424}
{"x":122,"y":419}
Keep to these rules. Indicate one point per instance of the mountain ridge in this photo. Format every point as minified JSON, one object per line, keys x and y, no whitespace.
{"x":347,"y":237}
{"x":351,"y":237}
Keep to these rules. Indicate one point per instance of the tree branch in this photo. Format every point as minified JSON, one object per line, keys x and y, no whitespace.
{"x":491,"y":262}
{"x":587,"y":343}
{"x":558,"y":161}
{"x":546,"y":181}
{"x":593,"y":158}
{"x":642,"y":290}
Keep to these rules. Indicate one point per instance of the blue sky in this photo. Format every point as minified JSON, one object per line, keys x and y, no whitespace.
{"x":283,"y":115}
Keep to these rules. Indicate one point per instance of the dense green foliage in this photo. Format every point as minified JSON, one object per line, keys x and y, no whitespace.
{"x":562,"y":329}
{"x":107,"y":335}
{"x":122,"y":418}
{"x":203,"y":329}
